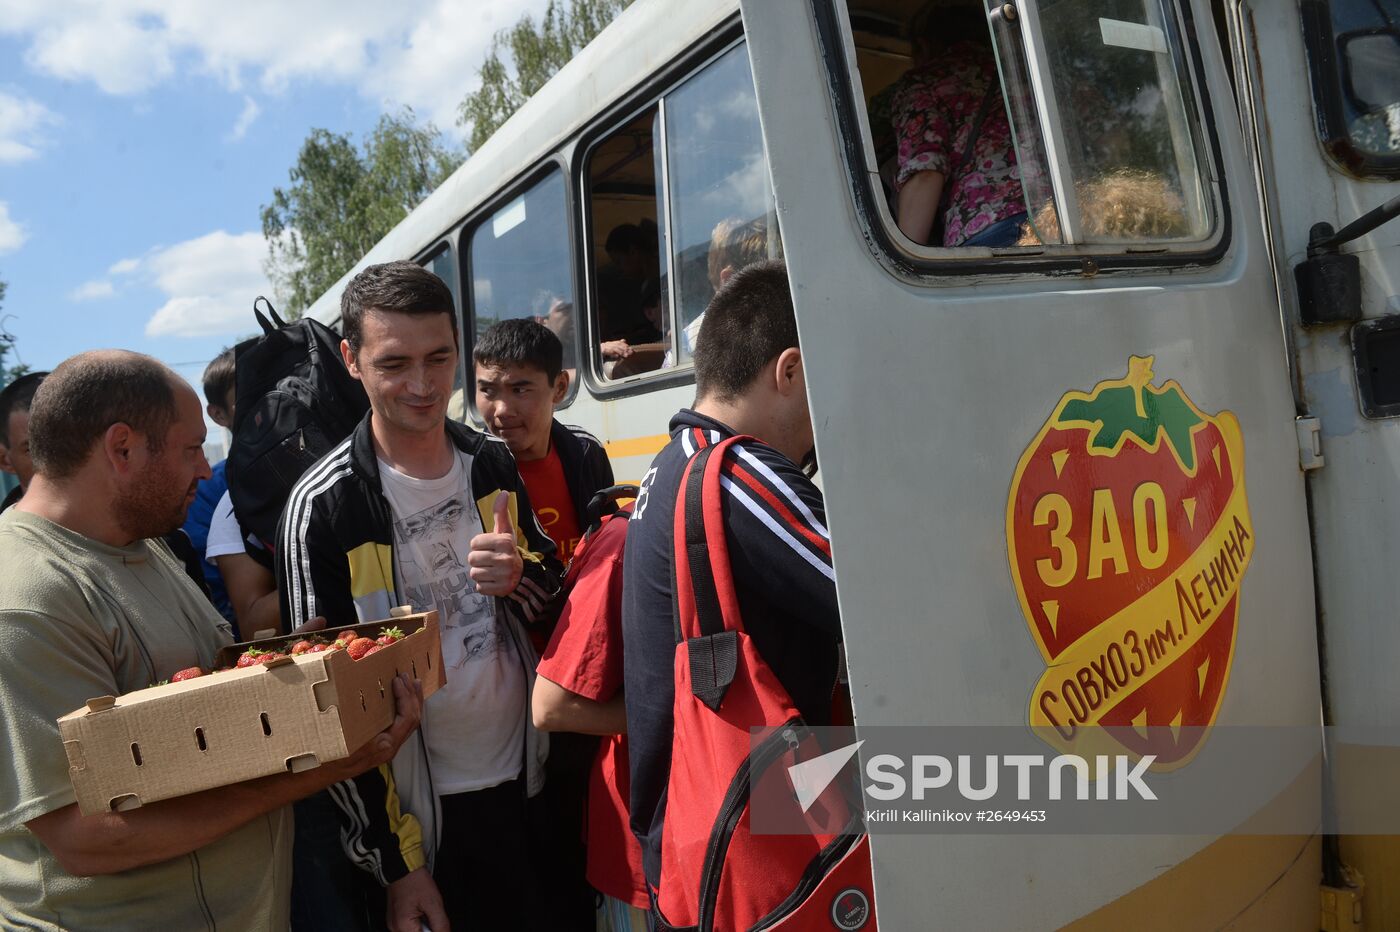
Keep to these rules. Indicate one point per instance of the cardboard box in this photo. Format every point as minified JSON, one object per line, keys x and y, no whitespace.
{"x":292,"y":714}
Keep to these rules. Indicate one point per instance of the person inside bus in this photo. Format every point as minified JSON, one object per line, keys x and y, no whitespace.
{"x":633,"y":258}
{"x":958,"y":183}
{"x":749,"y":379}
{"x":1120,"y":206}
{"x":734,"y":244}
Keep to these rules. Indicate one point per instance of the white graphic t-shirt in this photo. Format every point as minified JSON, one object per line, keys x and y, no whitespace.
{"x":475,"y":725}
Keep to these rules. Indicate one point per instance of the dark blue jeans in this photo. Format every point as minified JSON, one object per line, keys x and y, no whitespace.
{"x":1002,"y":233}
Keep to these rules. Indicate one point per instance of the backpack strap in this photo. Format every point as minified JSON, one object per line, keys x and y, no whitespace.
{"x":706,"y":602}
{"x":267,"y":325}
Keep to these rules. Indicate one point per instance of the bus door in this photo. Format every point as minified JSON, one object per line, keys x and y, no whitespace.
{"x":1024,"y":396}
{"x":1323,"y":78}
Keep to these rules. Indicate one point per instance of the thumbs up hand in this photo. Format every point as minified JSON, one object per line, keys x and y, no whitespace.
{"x":495,"y":562}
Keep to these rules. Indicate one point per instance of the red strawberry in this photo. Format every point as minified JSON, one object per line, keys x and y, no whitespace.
{"x":302,"y":647}
{"x":318,"y":648}
{"x":271,"y":655}
{"x":389,"y":636}
{"x":375,"y":649}
{"x":251,"y":657}
{"x":359,"y":647}
{"x":187,"y":674}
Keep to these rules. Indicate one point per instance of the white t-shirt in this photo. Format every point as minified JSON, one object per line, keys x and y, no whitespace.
{"x":474,"y":726}
{"x":225,"y":536}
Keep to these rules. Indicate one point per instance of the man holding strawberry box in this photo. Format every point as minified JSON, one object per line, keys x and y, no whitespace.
{"x":93,"y":604}
{"x":416,"y":509}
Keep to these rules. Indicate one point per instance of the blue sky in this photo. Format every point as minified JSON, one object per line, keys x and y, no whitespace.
{"x":139,"y":139}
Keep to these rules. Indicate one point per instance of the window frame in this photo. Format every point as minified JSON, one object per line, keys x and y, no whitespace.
{"x":445,"y":243}
{"x":1325,"y":77}
{"x":647,"y":94}
{"x":930,"y":265}
{"x":474,"y":221}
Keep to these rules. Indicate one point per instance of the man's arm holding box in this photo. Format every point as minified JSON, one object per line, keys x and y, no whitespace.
{"x":120,"y":841}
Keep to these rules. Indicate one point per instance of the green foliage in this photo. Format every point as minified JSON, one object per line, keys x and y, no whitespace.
{"x":343,"y":199}
{"x":536,"y":52}
{"x":7,"y":342}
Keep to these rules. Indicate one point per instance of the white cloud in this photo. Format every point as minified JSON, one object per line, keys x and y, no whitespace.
{"x":209,"y":284}
{"x":92,"y":291}
{"x":423,"y":53}
{"x":245,"y":119}
{"x":21,"y":121}
{"x":12,"y":235}
{"x":124,"y":267}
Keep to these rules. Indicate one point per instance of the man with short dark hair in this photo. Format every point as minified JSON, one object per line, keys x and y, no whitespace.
{"x":219,"y":397}
{"x":416,"y":509}
{"x":519,"y":381}
{"x":15,"y":401}
{"x":92,"y":604}
{"x":750,"y":380}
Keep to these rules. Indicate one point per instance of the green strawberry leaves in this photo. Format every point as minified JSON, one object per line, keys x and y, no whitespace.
{"x":1138,"y":409}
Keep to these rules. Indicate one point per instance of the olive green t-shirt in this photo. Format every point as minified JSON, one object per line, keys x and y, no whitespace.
{"x":80,"y":619}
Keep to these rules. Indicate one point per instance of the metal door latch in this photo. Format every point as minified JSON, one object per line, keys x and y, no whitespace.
{"x":1309,"y":443}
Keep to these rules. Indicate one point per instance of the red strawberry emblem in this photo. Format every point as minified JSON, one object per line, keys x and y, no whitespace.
{"x":1128,"y":534}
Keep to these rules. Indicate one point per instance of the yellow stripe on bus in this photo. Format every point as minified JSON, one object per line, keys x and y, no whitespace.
{"x":636,"y":446}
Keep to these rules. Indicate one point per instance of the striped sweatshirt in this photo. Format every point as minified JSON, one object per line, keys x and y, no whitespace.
{"x":335,"y":557}
{"x":780,"y":551}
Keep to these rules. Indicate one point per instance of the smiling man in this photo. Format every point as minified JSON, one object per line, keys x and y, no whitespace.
{"x":415,"y":509}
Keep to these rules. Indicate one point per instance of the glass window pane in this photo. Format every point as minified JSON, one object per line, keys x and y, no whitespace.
{"x":631,"y":317}
{"x":1368,"y":56}
{"x":443,"y":264}
{"x":721,"y":202}
{"x":1124,"y":143}
{"x":520,"y":263}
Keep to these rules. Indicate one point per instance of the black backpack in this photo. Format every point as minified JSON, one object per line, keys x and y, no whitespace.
{"x":294,"y":401}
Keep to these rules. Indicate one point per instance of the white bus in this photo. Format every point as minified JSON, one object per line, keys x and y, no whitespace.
{"x":986,"y":530}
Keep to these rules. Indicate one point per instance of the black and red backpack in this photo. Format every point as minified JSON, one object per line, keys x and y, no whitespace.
{"x":717,"y":873}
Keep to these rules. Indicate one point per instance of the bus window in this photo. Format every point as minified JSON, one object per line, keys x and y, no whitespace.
{"x":1354,"y":54}
{"x":442,"y":262}
{"x":679,"y":200}
{"x":721,"y":201}
{"x":520,"y":264}
{"x":1050,"y":122}
{"x":631,"y":312}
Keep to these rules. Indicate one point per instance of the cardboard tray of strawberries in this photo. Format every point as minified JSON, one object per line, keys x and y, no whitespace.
{"x":272,"y":705}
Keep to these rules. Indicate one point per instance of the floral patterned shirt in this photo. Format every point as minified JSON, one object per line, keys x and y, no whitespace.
{"x":933,"y":111}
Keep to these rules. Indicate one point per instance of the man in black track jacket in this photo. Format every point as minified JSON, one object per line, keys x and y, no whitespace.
{"x":415,"y":510}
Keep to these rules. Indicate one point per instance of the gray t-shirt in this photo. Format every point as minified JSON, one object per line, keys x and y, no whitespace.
{"x":80,"y":619}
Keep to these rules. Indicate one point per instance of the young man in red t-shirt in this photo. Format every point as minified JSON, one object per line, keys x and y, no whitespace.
{"x":519,"y":380}
{"x":579,"y":689}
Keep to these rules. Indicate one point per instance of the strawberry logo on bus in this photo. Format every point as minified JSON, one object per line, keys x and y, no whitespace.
{"x":1128,"y":533}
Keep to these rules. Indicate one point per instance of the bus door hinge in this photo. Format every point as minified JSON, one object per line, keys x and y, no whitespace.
{"x":1309,"y":443}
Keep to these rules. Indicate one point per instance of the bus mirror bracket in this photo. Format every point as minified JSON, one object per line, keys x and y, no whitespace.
{"x":1329,"y":281}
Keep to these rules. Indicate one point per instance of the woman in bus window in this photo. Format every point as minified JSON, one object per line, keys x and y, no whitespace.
{"x":957,"y":165}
